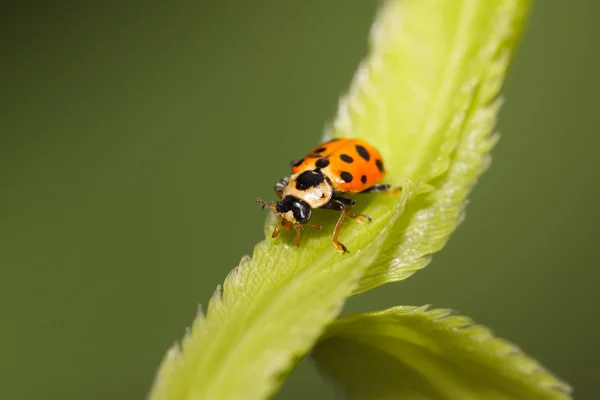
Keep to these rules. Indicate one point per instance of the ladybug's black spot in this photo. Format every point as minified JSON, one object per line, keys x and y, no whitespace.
{"x":320,"y":149}
{"x":298,"y":163}
{"x":379,"y":165}
{"x":309,"y":179}
{"x":346,"y":176}
{"x":322,"y":163}
{"x":363,"y":179}
{"x":363,"y":152}
{"x":346,"y":158}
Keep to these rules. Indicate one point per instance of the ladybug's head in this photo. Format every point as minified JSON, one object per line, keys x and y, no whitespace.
{"x":294,"y":214}
{"x":294,"y":210}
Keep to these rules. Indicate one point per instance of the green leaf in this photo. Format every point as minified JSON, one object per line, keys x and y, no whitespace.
{"x":435,"y":122}
{"x":424,"y":97}
{"x":414,"y":353}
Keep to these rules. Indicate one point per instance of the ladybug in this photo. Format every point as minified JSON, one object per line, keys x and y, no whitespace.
{"x":322,"y":179}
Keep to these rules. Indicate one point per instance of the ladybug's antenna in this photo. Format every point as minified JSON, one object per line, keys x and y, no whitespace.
{"x":270,"y":204}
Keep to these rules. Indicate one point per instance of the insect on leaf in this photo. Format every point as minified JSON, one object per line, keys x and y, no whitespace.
{"x":425,"y":97}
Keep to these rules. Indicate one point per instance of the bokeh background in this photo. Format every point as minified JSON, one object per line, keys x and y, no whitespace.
{"x":135,"y":136}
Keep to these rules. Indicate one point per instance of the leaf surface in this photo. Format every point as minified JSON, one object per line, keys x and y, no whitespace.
{"x":412,"y":353}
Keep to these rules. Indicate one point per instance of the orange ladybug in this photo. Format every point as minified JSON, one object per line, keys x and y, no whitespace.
{"x":321,"y":179}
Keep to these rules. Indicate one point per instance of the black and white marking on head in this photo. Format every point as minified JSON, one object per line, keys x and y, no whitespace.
{"x":309,"y":179}
{"x":379,"y":164}
{"x":346,"y":158}
{"x":364,"y":153}
{"x":322,"y":163}
{"x":299,"y":208}
{"x":346,"y":176}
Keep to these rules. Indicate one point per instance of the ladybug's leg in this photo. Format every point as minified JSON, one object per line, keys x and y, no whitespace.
{"x":350,"y":203}
{"x":360,"y":218}
{"x":338,"y":226}
{"x":276,"y":230}
{"x":377,"y":188}
{"x":334,"y":204}
{"x":382,"y":188}
{"x":279,"y":186}
{"x":298,"y":229}
{"x":344,"y":200}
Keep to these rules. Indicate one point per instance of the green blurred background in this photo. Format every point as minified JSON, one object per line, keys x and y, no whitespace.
{"x":135,"y":137}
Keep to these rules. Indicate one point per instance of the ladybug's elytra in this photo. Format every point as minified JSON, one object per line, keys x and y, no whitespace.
{"x":320,"y":180}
